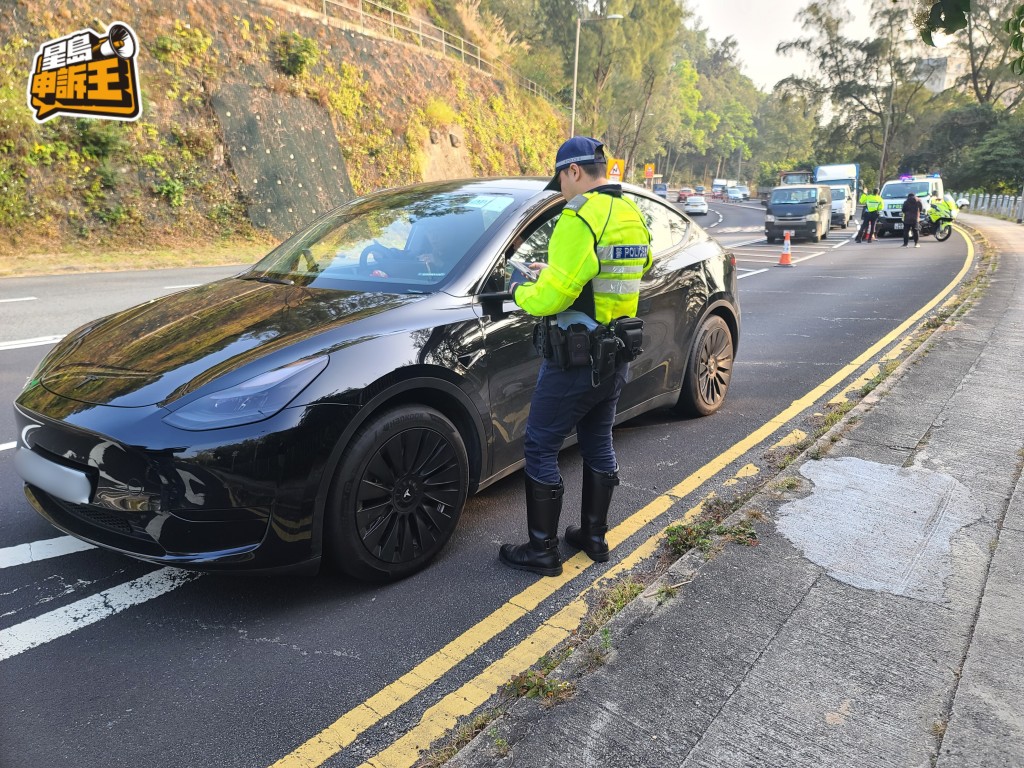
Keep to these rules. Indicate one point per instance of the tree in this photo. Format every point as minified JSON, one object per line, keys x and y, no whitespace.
{"x":996,"y":163}
{"x":952,"y":16}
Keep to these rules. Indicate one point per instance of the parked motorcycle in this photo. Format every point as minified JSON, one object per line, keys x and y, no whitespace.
{"x":941,"y":227}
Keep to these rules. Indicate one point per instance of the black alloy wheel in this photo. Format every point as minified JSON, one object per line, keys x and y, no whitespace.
{"x":708,"y":370}
{"x":397,"y":495}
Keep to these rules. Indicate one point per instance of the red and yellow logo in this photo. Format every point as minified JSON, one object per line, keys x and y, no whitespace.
{"x":87,"y":75}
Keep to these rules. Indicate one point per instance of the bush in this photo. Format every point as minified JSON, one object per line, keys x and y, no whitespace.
{"x":173,"y":190}
{"x":295,"y":53}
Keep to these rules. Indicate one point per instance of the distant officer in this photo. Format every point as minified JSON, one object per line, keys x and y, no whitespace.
{"x":939,"y":208}
{"x":872,"y":208}
{"x":599,"y":250}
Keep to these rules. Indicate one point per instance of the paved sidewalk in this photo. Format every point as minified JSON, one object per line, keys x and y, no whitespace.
{"x":879,"y":623}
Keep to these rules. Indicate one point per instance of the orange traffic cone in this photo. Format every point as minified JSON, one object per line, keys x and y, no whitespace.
{"x":784,"y":259}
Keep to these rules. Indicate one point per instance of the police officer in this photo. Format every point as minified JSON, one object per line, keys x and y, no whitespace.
{"x":872,"y":207}
{"x":599,"y":250}
{"x":939,"y":208}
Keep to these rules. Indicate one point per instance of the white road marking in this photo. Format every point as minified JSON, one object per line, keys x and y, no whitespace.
{"x":23,"y":298}
{"x":63,"y":621}
{"x":41,"y":550}
{"x":176,"y":287}
{"x":755,"y":272}
{"x":7,"y":446}
{"x":840,"y":245}
{"x":22,"y":343}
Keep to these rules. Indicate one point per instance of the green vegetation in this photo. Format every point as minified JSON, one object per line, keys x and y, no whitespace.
{"x":699,"y":535}
{"x":295,"y":54}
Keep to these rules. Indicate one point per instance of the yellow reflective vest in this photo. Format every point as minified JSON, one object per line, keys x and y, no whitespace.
{"x":599,"y":250}
{"x":871,"y":202}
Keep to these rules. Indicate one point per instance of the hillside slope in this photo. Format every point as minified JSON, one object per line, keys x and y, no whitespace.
{"x":362,"y":113}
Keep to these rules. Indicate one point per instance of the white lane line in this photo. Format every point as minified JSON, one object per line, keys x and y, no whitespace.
{"x":745,"y":242}
{"x":63,"y":621}
{"x":176,"y":287}
{"x":755,"y":272}
{"x":41,"y":550}
{"x":23,"y":298}
{"x":840,"y":245}
{"x":38,"y":341}
{"x":7,"y":446}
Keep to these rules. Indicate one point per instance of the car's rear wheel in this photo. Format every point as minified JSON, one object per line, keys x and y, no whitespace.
{"x":397,"y":495}
{"x":708,"y":369}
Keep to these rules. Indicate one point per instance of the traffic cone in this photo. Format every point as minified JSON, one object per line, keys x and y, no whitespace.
{"x":784,"y":259}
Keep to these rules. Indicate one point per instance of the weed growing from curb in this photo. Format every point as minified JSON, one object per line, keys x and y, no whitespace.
{"x":465,"y":734}
{"x":700,"y":536}
{"x":534,"y":684}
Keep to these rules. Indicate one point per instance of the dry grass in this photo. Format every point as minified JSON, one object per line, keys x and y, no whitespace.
{"x":100,"y":259}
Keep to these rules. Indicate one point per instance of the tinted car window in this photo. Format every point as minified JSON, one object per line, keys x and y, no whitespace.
{"x":404,"y":239}
{"x":668,"y":227}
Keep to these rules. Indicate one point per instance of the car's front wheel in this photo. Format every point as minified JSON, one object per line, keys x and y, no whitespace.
{"x":708,"y":369}
{"x":397,"y":494}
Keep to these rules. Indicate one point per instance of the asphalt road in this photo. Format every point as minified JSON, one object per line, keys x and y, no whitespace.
{"x":105,"y":661}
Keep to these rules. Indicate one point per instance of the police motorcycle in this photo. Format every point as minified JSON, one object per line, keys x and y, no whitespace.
{"x":938,"y":221}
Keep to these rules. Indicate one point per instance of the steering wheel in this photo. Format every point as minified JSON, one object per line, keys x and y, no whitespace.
{"x":379,"y":252}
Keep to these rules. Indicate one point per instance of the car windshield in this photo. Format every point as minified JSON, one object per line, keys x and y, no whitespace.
{"x":838,"y":193}
{"x":894,"y":189}
{"x":785,"y":196}
{"x":401,"y":241}
{"x":695,"y":199}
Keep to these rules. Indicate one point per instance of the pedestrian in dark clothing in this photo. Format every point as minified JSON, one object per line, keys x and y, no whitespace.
{"x":912,"y":211}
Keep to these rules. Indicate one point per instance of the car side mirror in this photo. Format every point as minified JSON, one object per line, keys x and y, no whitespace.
{"x":493,"y":304}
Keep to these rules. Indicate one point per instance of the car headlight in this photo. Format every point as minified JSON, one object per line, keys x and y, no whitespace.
{"x":253,"y":400}
{"x":769,"y":219}
{"x":811,"y":217}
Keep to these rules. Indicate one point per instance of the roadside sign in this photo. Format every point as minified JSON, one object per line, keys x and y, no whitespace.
{"x":616,"y":169}
{"x":649,"y":170}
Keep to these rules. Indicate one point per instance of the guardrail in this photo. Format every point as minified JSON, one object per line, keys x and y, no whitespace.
{"x":1008,"y":206}
{"x":380,"y":19}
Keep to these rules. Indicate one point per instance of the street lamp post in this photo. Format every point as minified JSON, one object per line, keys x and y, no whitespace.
{"x":576,"y":61}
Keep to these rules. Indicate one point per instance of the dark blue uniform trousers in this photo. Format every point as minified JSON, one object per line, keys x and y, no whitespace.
{"x":565,"y":399}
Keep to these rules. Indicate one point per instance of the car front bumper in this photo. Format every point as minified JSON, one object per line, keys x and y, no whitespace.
{"x":239,"y":498}
{"x":798,"y":228}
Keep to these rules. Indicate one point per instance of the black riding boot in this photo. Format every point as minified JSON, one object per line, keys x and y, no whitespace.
{"x":540,"y":554}
{"x":597,"y":497}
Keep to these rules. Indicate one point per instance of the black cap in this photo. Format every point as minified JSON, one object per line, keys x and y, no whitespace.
{"x":581,"y":150}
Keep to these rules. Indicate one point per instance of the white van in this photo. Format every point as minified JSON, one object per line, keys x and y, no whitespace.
{"x":844,"y":207}
{"x":894,"y":194}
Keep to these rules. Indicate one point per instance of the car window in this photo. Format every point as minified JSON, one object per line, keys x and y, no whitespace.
{"x":404,"y":237}
{"x":668,"y":226}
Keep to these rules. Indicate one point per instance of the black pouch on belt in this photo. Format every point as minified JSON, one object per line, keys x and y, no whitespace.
{"x":577,"y":339}
{"x":605,"y":349}
{"x":559,"y":348}
{"x":630,"y":333}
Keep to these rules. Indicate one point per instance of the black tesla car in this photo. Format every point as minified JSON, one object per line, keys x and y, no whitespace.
{"x":342,"y":397}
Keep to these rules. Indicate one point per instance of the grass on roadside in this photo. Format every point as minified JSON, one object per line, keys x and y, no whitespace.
{"x":100,"y":259}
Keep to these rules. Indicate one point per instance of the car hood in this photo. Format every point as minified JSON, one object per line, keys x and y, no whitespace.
{"x":158,"y":351}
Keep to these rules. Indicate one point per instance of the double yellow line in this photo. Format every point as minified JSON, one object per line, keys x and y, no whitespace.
{"x":442,"y":716}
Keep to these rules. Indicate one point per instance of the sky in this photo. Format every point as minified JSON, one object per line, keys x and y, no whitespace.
{"x":759,"y":26}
